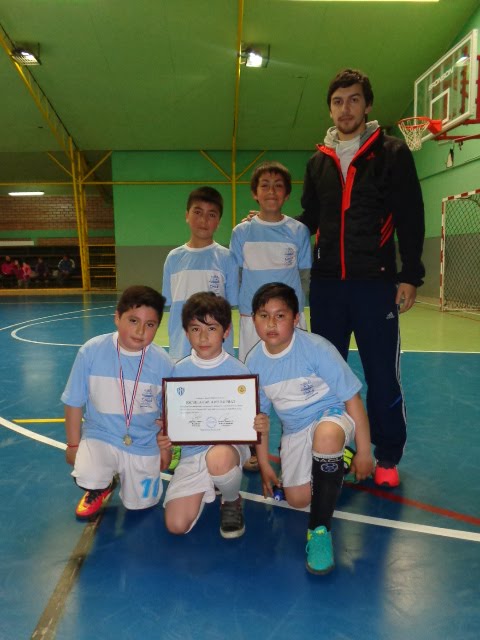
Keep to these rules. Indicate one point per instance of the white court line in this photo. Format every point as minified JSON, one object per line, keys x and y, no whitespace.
{"x":29,"y":323}
{"x":442,"y":351}
{"x":342,"y":515}
{"x":56,"y":318}
{"x":379,"y":522}
{"x":56,"y":315}
{"x":15,"y":335}
{"x":31,"y":434}
{"x":437,"y":306}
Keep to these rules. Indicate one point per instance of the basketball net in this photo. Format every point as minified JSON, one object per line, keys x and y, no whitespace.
{"x":413,"y":129}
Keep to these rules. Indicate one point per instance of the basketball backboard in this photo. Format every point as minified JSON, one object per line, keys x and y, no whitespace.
{"x":448,"y":91}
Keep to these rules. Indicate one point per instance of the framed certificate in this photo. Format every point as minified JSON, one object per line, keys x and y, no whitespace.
{"x":211,"y":410}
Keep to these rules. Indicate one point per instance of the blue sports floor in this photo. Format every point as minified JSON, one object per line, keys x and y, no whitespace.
{"x":408,"y":560}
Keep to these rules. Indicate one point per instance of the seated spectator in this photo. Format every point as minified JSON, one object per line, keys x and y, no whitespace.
{"x":24,"y":273}
{"x":65,"y":269}
{"x":9,"y":274}
{"x":40,"y":272}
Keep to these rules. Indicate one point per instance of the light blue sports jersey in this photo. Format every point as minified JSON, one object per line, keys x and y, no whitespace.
{"x":94,"y":383}
{"x":187,"y":271}
{"x":270,"y":252}
{"x":303,"y":381}
{"x":194,"y":367}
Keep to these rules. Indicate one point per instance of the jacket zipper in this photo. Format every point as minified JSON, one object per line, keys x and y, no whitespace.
{"x":347,"y":186}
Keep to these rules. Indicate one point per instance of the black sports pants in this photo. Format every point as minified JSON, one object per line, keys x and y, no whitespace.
{"x":367,"y":309}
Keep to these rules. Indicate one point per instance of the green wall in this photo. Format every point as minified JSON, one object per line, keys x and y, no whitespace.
{"x":150,"y":219}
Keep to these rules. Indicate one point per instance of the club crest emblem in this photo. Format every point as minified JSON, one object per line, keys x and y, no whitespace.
{"x":289,"y":256}
{"x":147,"y":398}
{"x":214,"y":284}
{"x":307,"y":389}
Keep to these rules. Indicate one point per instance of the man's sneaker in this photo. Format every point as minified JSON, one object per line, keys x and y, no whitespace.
{"x":93,"y":501}
{"x":176,"y":455}
{"x":319,"y":551}
{"x":251,"y":464}
{"x":232,"y":524}
{"x":386,"y":474}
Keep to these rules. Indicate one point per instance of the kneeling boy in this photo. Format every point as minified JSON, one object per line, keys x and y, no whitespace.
{"x":315,"y":395}
{"x":206,"y":319}
{"x":117,"y":377}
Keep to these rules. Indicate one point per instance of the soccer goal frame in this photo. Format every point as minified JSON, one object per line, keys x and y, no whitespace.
{"x":460,"y":252}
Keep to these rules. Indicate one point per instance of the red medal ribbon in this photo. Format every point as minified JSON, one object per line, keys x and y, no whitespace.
{"x":128,"y":412}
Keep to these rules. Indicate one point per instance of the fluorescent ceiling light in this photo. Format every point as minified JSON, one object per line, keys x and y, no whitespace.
{"x":365,"y":0}
{"x":26,"y":54}
{"x":26,"y":193}
{"x":255,"y":55}
{"x":253,"y":59}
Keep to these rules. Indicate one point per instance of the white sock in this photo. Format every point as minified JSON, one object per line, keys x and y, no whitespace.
{"x":229,"y":484}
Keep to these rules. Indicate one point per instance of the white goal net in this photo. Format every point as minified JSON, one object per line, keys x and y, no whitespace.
{"x":460,"y":252}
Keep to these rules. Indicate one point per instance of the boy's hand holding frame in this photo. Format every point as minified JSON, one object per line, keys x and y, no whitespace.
{"x":165,"y":446}
{"x":269,"y":477}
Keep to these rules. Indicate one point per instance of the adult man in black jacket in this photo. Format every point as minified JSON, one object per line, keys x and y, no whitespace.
{"x":361,"y":188}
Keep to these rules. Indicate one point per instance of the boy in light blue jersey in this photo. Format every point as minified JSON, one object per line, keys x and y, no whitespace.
{"x":270,"y":248}
{"x":115,"y":387}
{"x":316,"y":396}
{"x":206,"y":319}
{"x":199,"y":265}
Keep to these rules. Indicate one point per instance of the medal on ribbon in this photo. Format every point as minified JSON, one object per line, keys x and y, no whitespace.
{"x":128,"y":411}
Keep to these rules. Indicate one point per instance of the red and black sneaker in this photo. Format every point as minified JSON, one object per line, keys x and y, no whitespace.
{"x":93,"y":501}
{"x":386,"y":474}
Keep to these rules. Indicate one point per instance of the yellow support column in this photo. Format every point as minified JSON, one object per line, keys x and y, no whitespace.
{"x":81,"y":214}
{"x":235,"y":112}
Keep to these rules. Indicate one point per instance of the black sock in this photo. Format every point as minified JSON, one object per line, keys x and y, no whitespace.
{"x":327,"y":480}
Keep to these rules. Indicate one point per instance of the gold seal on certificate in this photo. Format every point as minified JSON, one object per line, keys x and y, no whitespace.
{"x":211,"y":410}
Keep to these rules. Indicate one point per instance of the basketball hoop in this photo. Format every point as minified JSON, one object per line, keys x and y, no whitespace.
{"x":413,"y":129}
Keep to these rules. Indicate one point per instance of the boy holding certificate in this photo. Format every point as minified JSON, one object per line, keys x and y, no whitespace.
{"x":112,"y":400}
{"x":206,"y":319}
{"x":316,"y":397}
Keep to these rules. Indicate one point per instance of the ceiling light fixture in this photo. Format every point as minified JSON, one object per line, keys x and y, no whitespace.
{"x":26,"y":54}
{"x":255,"y":55}
{"x":370,"y":0}
{"x":26,"y":193}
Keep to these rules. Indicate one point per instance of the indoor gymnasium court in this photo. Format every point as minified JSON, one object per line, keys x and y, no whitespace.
{"x":131,"y":107}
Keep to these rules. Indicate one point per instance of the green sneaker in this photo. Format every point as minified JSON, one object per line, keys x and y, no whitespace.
{"x":319,"y":551}
{"x":176,"y":455}
{"x":348,"y":454}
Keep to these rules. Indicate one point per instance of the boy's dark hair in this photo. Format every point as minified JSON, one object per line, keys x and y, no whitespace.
{"x":273,"y":290}
{"x":141,"y":296}
{"x":271,"y":167}
{"x":348,"y":77}
{"x":206,"y":194}
{"x":206,"y":303}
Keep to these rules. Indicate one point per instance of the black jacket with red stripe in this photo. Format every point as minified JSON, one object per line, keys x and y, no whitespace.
{"x":355,"y":220}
